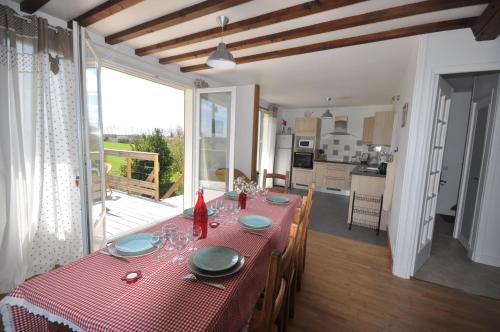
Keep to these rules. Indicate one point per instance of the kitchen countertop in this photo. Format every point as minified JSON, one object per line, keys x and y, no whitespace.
{"x":358,"y":170}
{"x":336,"y":162}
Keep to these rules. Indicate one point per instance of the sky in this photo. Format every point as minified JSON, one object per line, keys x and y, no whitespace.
{"x":132,"y":105}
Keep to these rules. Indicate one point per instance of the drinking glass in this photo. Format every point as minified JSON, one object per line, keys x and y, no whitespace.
{"x":158,"y":240}
{"x":170,"y":230}
{"x":180,"y":242}
{"x":194,"y":236}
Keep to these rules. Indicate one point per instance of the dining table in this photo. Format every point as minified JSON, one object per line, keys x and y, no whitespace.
{"x":88,"y":294}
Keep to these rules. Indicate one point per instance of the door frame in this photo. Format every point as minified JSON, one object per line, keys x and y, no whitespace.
{"x":196,"y":134}
{"x":413,"y":185}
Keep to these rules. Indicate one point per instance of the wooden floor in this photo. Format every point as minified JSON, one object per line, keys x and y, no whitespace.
{"x":348,"y":286}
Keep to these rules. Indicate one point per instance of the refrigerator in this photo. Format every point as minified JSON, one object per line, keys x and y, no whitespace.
{"x":283,"y":157}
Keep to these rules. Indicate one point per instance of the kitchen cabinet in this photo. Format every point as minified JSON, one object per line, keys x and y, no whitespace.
{"x":302,"y":177}
{"x":332,"y":176}
{"x":307,"y":127}
{"x":377,"y":129}
{"x":382,"y":129}
{"x":368,"y":127}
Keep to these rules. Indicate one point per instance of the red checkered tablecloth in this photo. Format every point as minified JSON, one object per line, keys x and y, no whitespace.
{"x":88,"y":294}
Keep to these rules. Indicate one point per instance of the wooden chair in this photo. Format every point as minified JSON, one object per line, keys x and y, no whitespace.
{"x":303,"y":238}
{"x":220,"y":174}
{"x":285,"y":177}
{"x":266,"y":319}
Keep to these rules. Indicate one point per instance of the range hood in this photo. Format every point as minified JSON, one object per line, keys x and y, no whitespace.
{"x":340,"y":126}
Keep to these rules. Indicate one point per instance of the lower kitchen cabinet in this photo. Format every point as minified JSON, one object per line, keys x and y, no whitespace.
{"x":302,"y":177}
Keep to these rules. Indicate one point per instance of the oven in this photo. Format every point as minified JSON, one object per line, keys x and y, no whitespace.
{"x":303,"y":160}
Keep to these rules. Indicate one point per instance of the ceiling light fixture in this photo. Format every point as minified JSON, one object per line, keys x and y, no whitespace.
{"x":221,"y":58}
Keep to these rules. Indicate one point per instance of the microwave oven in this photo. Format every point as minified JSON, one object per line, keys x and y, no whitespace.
{"x":305,"y":143}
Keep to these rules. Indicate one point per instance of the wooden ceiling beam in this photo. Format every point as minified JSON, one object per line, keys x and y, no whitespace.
{"x":186,"y":14}
{"x":103,"y":11}
{"x":31,"y":6}
{"x":285,"y":14}
{"x":487,"y":26}
{"x":351,"y":41}
{"x":343,"y":23}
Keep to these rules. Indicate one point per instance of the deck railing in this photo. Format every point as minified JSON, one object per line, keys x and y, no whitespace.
{"x":150,"y":186}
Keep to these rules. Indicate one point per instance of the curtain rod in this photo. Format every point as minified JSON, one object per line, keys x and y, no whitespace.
{"x":29,"y":20}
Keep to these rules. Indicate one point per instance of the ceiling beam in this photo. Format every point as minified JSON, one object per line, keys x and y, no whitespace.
{"x":351,"y":41}
{"x":185,"y":14}
{"x":343,"y":23}
{"x":487,"y":26}
{"x":103,"y":11}
{"x":31,"y":6}
{"x":285,"y":14}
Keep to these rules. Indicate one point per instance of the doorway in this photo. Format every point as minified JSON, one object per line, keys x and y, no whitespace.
{"x":462,"y":134}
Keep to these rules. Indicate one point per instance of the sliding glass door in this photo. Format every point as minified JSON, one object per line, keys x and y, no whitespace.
{"x":214,"y":143}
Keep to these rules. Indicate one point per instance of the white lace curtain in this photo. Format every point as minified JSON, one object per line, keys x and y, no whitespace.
{"x":40,"y":212}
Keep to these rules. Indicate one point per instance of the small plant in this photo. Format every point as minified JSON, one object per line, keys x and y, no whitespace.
{"x":241,"y":185}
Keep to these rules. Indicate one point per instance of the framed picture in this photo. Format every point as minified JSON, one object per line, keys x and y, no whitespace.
{"x":404,"y":115}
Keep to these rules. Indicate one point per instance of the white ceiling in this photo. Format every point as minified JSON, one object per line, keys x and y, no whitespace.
{"x":357,"y":75}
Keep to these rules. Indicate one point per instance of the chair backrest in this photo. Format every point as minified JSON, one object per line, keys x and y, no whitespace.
{"x":285,"y":177}
{"x":274,"y":293}
{"x":221,"y":174}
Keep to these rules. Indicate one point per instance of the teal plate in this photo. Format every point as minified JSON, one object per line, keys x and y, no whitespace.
{"x":134,"y":244}
{"x":190,"y":212}
{"x":255,"y":222}
{"x":232,"y":195}
{"x":278,"y":199}
{"x":215,"y":259}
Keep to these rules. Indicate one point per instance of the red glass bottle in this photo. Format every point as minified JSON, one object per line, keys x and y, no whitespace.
{"x":201,"y":214}
{"x":243,"y":200}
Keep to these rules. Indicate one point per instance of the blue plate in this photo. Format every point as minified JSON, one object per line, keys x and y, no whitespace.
{"x":215,"y":259}
{"x":232,"y":195}
{"x":278,"y":199}
{"x":134,"y":244}
{"x":255,"y":222}
{"x":190,"y":212}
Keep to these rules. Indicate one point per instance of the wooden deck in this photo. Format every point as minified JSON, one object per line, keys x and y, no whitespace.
{"x":126,"y":213}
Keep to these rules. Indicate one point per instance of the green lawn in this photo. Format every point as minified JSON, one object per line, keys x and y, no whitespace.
{"x":116,"y":162}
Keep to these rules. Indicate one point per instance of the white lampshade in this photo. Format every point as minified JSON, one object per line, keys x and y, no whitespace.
{"x":221,"y":58}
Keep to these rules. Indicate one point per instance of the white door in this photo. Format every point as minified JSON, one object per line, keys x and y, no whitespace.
{"x":214,"y":140}
{"x":92,"y":177}
{"x":438,"y":139}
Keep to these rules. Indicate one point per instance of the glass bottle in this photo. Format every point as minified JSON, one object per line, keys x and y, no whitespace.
{"x":201,"y":214}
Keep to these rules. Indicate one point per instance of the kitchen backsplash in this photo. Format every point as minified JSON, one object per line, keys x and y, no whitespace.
{"x":344,"y":148}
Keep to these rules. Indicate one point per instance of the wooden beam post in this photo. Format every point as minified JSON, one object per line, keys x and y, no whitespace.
{"x":350,"y":41}
{"x":31,"y":6}
{"x":103,"y":11}
{"x":282,"y":15}
{"x":487,"y":26}
{"x":329,"y":26}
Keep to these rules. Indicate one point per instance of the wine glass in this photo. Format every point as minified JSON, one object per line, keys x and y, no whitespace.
{"x":180,"y":242}
{"x":194,"y":236}
{"x":170,"y":230}
{"x":158,"y":240}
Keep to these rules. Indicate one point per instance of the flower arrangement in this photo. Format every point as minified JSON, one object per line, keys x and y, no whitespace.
{"x":283,"y":122}
{"x":242,"y":185}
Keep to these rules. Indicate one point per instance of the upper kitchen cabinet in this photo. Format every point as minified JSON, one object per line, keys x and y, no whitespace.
{"x":307,"y":126}
{"x":368,"y":127}
{"x":378,"y":129}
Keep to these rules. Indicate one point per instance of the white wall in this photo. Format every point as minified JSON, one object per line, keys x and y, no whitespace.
{"x":244,"y":128}
{"x":444,"y":53}
{"x":400,"y":143}
{"x":456,"y":136}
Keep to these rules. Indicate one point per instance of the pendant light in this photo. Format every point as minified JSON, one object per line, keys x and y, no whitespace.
{"x":221,"y":57}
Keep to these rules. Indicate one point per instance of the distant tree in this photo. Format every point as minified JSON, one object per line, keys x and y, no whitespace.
{"x":154,"y":142}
